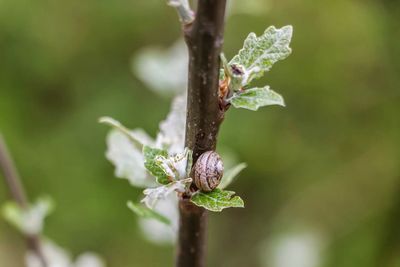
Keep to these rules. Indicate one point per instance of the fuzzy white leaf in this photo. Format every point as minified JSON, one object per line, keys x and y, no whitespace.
{"x":137,"y":136}
{"x":127,"y":159}
{"x":175,"y":3}
{"x":153,"y":195}
{"x":124,"y":146}
{"x":163,"y":70}
{"x":172,"y":129}
{"x":255,"y":98}
{"x":30,"y":220}
{"x":158,"y":232}
{"x":176,"y":167}
{"x":260,"y":53}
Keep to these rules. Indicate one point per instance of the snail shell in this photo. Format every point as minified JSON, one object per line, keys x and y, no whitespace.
{"x":208,"y":171}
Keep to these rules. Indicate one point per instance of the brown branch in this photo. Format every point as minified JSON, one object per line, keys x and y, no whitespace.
{"x":204,"y":39}
{"x":17,"y":192}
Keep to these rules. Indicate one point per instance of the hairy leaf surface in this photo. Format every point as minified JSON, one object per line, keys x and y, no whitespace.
{"x":260,"y":53}
{"x":255,"y":98}
{"x":217,"y":200}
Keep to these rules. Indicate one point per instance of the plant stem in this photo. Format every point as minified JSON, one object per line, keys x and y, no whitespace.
{"x":204,"y":39}
{"x":17,"y":192}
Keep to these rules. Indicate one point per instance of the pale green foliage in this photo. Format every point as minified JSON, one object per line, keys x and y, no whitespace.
{"x":124,"y":150}
{"x":167,"y":168}
{"x":147,"y":213}
{"x":234,"y":72}
{"x":260,"y":53}
{"x":217,"y":200}
{"x":128,"y":159}
{"x":133,"y":136}
{"x":231,"y":174}
{"x":156,"y":60}
{"x":133,"y":151}
{"x":150,"y":155}
{"x":226,"y":68}
{"x":172,"y":129}
{"x":144,"y":160}
{"x":255,"y":58}
{"x":163,"y":157}
{"x":124,"y":146}
{"x":153,"y":195}
{"x":28,"y":220}
{"x":256,"y":97}
{"x":176,"y":167}
{"x":156,"y":231}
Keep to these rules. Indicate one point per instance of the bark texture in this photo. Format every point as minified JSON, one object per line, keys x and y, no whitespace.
{"x":204,"y":39}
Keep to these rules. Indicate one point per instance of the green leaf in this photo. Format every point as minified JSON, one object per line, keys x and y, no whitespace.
{"x":260,"y":53}
{"x":256,"y":97}
{"x":230,"y":175}
{"x":226,"y":68}
{"x":150,"y":155}
{"x":217,"y":200}
{"x":147,"y":213}
{"x":234,"y":72}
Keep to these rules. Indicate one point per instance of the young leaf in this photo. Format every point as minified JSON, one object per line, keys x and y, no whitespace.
{"x":234,"y":72}
{"x":152,"y":195}
{"x":29,"y":220}
{"x":147,"y":213}
{"x":149,"y":65}
{"x":186,"y":15}
{"x":226,"y":68}
{"x":176,"y":167}
{"x":260,"y":53}
{"x":172,"y":129}
{"x":138,"y":137}
{"x":150,"y":155}
{"x":127,"y":159}
{"x":217,"y":200}
{"x":230,"y":175}
{"x":256,"y":97}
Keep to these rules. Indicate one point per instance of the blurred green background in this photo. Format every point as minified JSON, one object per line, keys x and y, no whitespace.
{"x":323,"y":179}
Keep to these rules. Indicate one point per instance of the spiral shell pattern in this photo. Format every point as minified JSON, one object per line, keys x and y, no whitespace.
{"x":208,"y":171}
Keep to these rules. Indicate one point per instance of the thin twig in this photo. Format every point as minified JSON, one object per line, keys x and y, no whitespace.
{"x":204,"y":38}
{"x":17,"y":192}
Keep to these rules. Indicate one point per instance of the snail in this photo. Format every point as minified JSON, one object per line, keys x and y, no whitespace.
{"x":208,"y":171}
